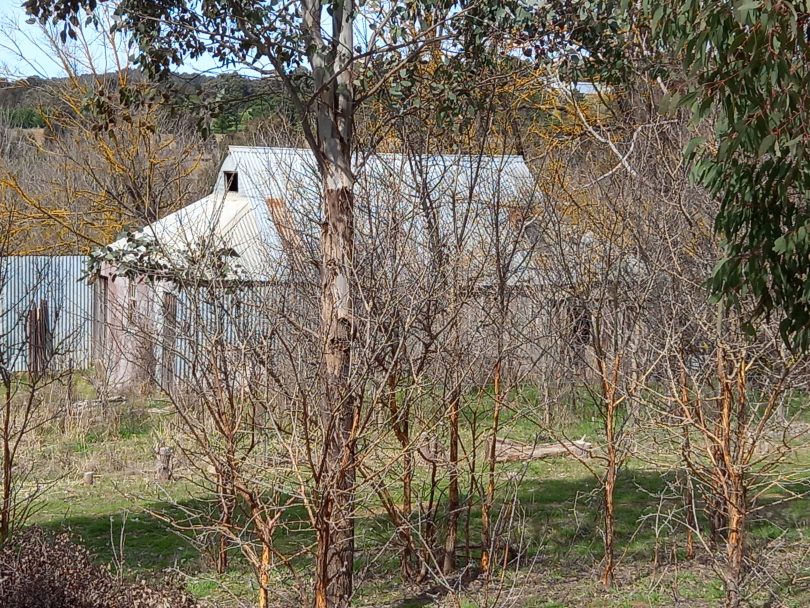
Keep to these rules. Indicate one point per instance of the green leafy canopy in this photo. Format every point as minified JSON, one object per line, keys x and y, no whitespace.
{"x":748,"y":63}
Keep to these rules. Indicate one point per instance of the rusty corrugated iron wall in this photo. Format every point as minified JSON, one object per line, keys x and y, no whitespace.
{"x":26,"y":282}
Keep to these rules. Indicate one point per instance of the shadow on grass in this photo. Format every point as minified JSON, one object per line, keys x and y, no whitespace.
{"x":561,"y":519}
{"x":560,"y":522}
{"x":146,"y":542}
{"x":152,"y":536}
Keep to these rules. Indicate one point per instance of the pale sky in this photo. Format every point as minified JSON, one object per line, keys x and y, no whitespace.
{"x":20,"y":52}
{"x":25,"y":50}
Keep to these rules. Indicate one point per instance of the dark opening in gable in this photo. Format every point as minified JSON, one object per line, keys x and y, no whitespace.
{"x":232,"y":181}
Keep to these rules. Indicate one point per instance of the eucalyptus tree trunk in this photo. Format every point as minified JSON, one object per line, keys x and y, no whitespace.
{"x":335,"y":514}
{"x":335,"y":481}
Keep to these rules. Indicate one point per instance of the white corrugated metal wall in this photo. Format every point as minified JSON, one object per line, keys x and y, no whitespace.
{"x":25,"y":282}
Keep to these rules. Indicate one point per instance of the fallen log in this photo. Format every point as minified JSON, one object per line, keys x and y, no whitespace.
{"x":507,"y":450}
{"x":513,"y":451}
{"x":93,"y":403}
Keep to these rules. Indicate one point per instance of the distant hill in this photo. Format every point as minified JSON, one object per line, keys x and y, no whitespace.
{"x":230,"y":98}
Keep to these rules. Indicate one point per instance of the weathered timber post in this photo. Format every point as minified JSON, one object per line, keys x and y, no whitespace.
{"x":163,"y":468}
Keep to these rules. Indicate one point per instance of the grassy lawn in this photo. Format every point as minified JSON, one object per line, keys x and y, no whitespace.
{"x":122,"y":519}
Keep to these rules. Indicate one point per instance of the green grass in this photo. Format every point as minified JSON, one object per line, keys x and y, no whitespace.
{"x":559,"y":523}
{"x":559,"y":529}
{"x":97,"y":514}
{"x":85,"y":443}
{"x":133,"y":428}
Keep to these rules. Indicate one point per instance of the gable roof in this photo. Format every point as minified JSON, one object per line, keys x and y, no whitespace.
{"x":279,"y":194}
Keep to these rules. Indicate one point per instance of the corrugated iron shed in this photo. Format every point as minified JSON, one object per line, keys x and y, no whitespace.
{"x":259,"y":189}
{"x":26,"y":282}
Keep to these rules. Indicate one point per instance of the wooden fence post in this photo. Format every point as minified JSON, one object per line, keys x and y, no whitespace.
{"x":163,"y":470}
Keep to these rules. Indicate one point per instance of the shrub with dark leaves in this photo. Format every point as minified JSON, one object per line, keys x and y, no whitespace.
{"x":43,"y":570}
